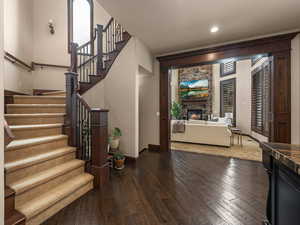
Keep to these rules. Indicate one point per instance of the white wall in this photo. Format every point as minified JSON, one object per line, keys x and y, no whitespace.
{"x":1,"y":116}
{"x":18,"y":40}
{"x":243,"y":93}
{"x":295,"y":60}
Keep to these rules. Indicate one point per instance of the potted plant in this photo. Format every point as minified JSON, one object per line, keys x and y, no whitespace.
{"x":176,"y":110}
{"x":115,"y":138}
{"x":119,"y":160}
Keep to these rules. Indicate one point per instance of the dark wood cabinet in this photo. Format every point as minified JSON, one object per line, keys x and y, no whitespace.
{"x":283,"y":206}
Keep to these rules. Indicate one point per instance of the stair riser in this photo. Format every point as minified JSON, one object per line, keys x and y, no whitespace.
{"x":13,"y":155}
{"x":34,"y":120}
{"x":43,"y":188}
{"x":39,"y":132}
{"x":24,"y":172}
{"x":39,"y":100}
{"x":28,"y":110}
{"x":40,"y":218}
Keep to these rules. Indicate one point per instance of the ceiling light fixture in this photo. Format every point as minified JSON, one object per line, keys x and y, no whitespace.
{"x":214,"y":29}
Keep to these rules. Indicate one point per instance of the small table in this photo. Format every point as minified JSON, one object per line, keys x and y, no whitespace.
{"x":236,"y":132}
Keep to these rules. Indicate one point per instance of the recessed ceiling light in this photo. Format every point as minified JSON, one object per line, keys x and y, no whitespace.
{"x":214,"y":29}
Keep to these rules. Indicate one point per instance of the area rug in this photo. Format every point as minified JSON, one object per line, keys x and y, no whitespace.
{"x":249,"y":151}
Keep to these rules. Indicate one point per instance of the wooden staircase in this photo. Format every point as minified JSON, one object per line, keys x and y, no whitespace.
{"x":41,"y":168}
{"x":56,"y":144}
{"x":93,"y":64}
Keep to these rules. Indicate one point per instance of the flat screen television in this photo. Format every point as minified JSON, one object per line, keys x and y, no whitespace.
{"x":193,"y":89}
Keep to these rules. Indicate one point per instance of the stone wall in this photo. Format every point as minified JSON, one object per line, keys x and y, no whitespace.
{"x":197,"y":73}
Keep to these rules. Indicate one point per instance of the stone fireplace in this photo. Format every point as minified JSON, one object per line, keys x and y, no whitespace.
{"x":195,"y":114}
{"x":203,"y":106}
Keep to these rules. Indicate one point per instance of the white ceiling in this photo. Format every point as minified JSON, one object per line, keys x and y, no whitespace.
{"x":174,"y":25}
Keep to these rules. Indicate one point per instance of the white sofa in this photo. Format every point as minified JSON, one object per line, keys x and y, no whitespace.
{"x":203,"y":132}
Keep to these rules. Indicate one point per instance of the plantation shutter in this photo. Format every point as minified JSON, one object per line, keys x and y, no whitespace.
{"x":228,"y":97}
{"x":227,"y":68}
{"x":257,"y":102}
{"x":261,"y":99}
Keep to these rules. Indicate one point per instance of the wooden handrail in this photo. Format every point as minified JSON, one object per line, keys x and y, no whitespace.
{"x":88,"y":107}
{"x":108,"y":24}
{"x":84,"y":102}
{"x":49,"y":65}
{"x":87,"y":61}
{"x":17,"y":61}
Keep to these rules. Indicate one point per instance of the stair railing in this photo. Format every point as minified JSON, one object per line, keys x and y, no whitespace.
{"x":87,"y":129}
{"x":93,"y":57}
{"x":86,"y":126}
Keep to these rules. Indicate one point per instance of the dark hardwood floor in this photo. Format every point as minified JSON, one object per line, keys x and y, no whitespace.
{"x":175,"y":189}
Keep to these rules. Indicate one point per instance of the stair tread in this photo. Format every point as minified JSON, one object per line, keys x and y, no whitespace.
{"x":39,"y":96}
{"x":34,"y":126}
{"x":36,"y":105}
{"x":54,"y":92}
{"x":29,"y":182}
{"x":16,"y":144}
{"x":23,"y":163}
{"x":44,"y":201}
{"x":35,"y":115}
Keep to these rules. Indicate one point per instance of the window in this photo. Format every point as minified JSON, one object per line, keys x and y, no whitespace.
{"x":227,"y":95}
{"x":255,"y":59}
{"x":227,"y":68}
{"x":80,"y":21}
{"x":261,"y":99}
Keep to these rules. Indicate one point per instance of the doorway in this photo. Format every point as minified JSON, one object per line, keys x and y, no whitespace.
{"x":209,"y":101}
{"x":278,"y":47}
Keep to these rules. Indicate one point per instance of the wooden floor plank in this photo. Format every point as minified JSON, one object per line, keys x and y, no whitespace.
{"x":176,"y":188}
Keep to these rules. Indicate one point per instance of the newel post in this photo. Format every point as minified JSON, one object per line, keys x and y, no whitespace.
{"x":71,"y":107}
{"x":99,"y":164}
{"x":99,"y":48}
{"x":71,"y":103}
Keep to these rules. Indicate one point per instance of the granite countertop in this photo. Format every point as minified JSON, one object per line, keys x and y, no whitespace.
{"x":288,"y":155}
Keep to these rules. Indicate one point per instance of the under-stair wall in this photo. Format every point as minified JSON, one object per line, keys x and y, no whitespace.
{"x":118,"y":92}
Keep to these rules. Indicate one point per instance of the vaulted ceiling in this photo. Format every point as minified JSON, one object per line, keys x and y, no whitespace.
{"x":174,"y":25}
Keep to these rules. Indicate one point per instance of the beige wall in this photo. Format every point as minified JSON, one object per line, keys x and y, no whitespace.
{"x":149,"y":108}
{"x":243,"y":93}
{"x":174,"y":85}
{"x":52,"y":49}
{"x":1,"y":116}
{"x":18,"y":40}
{"x":120,"y":98}
{"x":126,"y":92}
{"x":27,"y":36}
